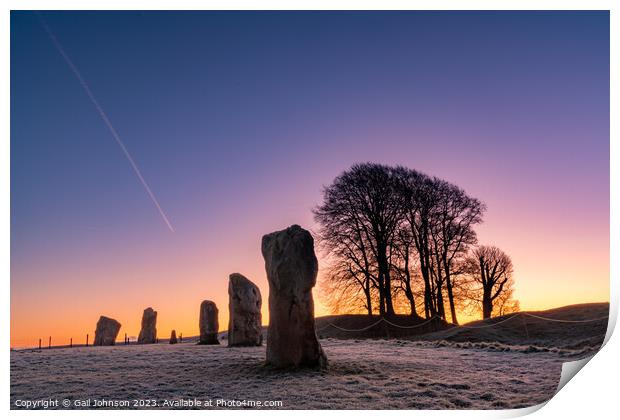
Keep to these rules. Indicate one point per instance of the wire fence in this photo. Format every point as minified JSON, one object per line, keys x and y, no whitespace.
{"x":126,"y":341}
{"x":522,"y":314}
{"x":407,"y":327}
{"x":582,"y":321}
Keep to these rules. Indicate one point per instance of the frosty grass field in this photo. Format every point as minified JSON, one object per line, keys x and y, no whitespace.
{"x":378,"y":374}
{"x":459,"y":368}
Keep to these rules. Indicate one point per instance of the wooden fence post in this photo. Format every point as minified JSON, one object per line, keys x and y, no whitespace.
{"x":39,"y":344}
{"x":527,"y":333}
{"x":49,"y":343}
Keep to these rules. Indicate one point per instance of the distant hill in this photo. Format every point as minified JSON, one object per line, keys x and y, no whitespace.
{"x":513,"y":329}
{"x":528,"y":330}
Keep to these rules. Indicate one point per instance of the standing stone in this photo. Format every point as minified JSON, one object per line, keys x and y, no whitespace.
{"x":291,"y":270}
{"x":173,"y":337}
{"x":208,"y":323}
{"x":106,"y":331}
{"x":148,"y":333}
{"x":244,"y":304}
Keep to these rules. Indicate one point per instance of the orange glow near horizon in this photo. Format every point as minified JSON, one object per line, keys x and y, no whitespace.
{"x":175,"y":290}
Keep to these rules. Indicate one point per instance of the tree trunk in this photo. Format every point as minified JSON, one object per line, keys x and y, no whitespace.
{"x":368,"y":299}
{"x":441,"y":311}
{"x":429,"y":309}
{"x":381,"y":295}
{"x":408,"y":291}
{"x":389,"y":306}
{"x":487,"y":305}
{"x":451,"y":299}
{"x":385,"y":284}
{"x":410,"y":297}
{"x":421,"y":238}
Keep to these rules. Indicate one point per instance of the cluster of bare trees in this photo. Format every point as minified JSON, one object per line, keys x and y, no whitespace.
{"x":397,"y":239}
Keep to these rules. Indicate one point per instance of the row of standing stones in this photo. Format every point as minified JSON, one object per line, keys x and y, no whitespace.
{"x":291,"y":266}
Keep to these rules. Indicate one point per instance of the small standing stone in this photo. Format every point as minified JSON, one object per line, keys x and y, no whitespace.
{"x":173,"y":337}
{"x":244,"y":305}
{"x":148,"y":332}
{"x":292,"y":268}
{"x":106,"y":331}
{"x":208,"y":323}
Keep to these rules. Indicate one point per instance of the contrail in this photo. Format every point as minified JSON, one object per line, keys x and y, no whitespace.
{"x":105,"y":118}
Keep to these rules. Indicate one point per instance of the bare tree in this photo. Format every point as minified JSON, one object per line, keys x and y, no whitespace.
{"x":404,"y":266}
{"x":346,"y":289}
{"x":505,"y":303}
{"x":441,"y":218}
{"x":361,"y":207}
{"x":491,"y":271}
{"x":398,"y":238}
{"x":351,"y":271}
{"x":418,"y":198}
{"x":452,"y":231}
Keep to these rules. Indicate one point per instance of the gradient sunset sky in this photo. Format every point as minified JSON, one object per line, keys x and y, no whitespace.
{"x":237,"y":121}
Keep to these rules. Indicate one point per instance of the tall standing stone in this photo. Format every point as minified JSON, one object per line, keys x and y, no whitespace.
{"x":244,"y":305}
{"x":292,"y":268}
{"x":173,"y":337}
{"x":148,"y":332}
{"x":106,"y":331}
{"x":208,"y":323}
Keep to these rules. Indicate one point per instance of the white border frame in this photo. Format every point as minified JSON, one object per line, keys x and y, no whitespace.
{"x":592,"y":395}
